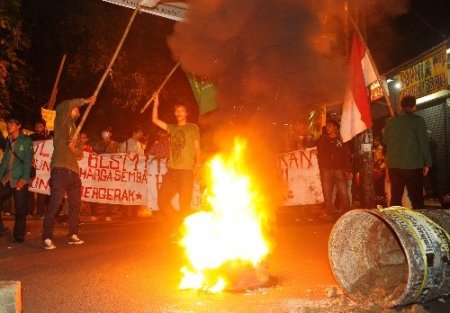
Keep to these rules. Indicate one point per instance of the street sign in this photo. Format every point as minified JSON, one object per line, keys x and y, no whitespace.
{"x":173,"y":10}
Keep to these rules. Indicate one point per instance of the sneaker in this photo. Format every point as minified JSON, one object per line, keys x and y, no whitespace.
{"x":108,"y":219}
{"x":48,"y":244}
{"x":74,"y":240}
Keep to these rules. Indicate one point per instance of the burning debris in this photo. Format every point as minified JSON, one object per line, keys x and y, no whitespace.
{"x":226,"y":244}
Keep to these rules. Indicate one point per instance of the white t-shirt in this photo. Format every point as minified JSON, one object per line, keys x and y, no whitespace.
{"x":131,"y":145}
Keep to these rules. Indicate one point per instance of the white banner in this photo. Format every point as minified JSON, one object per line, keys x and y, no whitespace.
{"x":120,"y":178}
{"x":131,"y":179}
{"x":300,"y":170}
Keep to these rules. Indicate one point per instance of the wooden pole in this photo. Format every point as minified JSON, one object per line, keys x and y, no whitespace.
{"x":111,"y":62}
{"x":156,"y":93}
{"x":51,"y":102}
{"x":377,"y":73}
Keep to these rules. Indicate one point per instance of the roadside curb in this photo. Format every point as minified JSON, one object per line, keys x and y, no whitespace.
{"x":10,"y":297}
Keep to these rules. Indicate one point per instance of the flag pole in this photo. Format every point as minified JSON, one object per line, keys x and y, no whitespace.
{"x":111,"y":62}
{"x":377,"y":73}
{"x":156,"y":93}
{"x":52,"y":100}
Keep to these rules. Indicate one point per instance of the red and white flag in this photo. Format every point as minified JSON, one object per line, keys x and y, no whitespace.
{"x":356,"y":115}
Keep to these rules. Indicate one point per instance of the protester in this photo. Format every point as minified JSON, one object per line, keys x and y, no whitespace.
{"x":15,"y":174}
{"x":133,"y":143}
{"x":5,"y":206}
{"x":37,"y":202}
{"x":85,"y":142}
{"x":106,"y":144}
{"x":335,"y":168}
{"x":408,"y":154}
{"x":379,"y":171}
{"x":184,"y":161}
{"x":86,"y":207}
{"x":64,"y":176}
{"x":40,"y":131}
{"x":160,"y":148}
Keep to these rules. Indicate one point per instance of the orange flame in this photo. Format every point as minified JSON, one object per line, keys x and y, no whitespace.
{"x":229,"y":237}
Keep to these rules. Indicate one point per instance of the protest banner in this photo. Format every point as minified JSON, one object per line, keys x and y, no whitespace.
{"x":132,"y":179}
{"x":300,"y":171}
{"x":120,"y":178}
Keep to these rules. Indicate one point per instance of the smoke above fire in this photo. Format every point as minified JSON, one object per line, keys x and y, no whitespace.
{"x":272,"y":56}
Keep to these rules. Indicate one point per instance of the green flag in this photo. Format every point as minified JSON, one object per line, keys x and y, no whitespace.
{"x":204,"y":92}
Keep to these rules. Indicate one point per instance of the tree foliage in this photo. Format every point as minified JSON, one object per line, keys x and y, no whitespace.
{"x":88,"y":32}
{"x":14,"y":71}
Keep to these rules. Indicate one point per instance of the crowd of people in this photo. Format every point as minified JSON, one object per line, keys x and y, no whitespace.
{"x":401,"y":160}
{"x":178,"y":143}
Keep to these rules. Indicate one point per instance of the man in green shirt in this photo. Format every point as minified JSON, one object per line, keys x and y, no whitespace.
{"x":184,"y":161}
{"x":15,"y":177}
{"x":408,"y":154}
{"x":64,"y":175}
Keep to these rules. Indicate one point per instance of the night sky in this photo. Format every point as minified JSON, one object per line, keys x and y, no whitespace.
{"x":426,"y":24}
{"x":392,"y":38}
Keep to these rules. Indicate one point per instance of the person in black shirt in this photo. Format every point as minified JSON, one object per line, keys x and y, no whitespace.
{"x":334,"y":164}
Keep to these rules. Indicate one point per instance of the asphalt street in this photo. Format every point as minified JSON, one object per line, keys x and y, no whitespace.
{"x":134,"y":266}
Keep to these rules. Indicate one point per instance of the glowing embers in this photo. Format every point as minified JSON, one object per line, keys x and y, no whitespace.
{"x":225,"y":245}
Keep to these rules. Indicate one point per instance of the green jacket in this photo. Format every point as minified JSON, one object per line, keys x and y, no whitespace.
{"x":63,"y":131}
{"x":407,"y":142}
{"x":24,"y":150}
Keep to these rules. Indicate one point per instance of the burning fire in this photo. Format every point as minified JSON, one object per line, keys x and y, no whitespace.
{"x":226,"y":244}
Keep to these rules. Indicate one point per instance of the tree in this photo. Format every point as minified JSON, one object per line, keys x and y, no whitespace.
{"x":88,"y":32}
{"x":14,"y":71}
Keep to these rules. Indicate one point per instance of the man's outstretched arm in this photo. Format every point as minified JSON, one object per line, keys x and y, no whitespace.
{"x":155,"y":117}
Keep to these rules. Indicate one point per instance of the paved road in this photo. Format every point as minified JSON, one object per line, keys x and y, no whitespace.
{"x":134,"y":267}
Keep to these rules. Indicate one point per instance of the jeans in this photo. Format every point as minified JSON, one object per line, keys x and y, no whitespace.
{"x":175,"y":180}
{"x":20,"y":207}
{"x":40,"y":203}
{"x":412,"y":179}
{"x":330,"y":178}
{"x":62,"y":181}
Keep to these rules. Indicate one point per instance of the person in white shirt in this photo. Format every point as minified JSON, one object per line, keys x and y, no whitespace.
{"x":133,"y":144}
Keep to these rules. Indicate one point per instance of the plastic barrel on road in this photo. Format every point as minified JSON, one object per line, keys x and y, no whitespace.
{"x":395,"y":255}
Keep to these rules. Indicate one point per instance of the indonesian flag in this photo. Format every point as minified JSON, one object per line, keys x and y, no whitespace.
{"x":356,"y":115}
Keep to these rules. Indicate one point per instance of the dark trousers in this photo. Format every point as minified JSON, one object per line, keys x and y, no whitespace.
{"x":40,"y":203}
{"x":63,"y":181}
{"x":412,"y":179}
{"x":175,"y":180}
{"x":20,"y":208}
{"x":329,"y":178}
